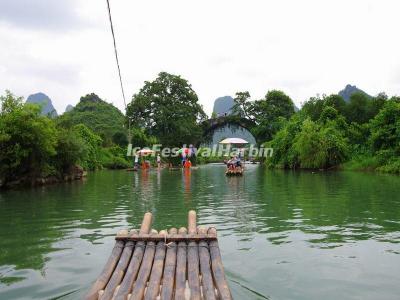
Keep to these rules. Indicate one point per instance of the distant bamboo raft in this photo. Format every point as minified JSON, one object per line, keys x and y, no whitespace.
{"x":178,"y":264}
{"x":234,"y":172}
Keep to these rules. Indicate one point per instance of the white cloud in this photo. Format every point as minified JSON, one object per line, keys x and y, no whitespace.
{"x":221,"y":47}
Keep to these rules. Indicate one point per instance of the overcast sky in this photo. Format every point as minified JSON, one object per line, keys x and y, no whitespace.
{"x":64,"y":48}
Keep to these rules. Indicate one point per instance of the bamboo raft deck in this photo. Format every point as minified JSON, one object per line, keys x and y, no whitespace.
{"x":178,"y":264}
{"x":234,"y":172}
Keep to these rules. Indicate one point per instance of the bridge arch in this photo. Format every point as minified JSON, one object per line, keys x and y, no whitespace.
{"x":222,"y":127}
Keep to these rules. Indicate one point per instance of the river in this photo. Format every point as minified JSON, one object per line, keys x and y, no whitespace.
{"x":283,"y":235}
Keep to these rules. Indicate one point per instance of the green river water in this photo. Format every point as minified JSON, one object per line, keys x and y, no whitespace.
{"x":283,"y":235}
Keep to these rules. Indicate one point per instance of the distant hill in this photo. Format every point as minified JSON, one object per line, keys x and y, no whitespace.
{"x":103,"y":118}
{"x":350,"y":90}
{"x":69,"y":108}
{"x":223,"y":105}
{"x":45,"y":102}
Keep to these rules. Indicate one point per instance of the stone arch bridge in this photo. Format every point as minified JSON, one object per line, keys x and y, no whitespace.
{"x":227,"y":126}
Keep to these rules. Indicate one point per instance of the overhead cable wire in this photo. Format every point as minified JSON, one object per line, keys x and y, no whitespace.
{"x":119,"y":69}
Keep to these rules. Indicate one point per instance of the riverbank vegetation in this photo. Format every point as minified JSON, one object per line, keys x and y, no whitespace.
{"x":328,"y":132}
{"x":37,"y":149}
{"x":362,"y":133}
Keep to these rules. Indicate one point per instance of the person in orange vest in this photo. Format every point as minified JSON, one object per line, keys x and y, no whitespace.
{"x":188,"y":164}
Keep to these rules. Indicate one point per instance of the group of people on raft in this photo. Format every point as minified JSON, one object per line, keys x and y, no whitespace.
{"x":141,"y":161}
{"x":144,"y":163}
{"x":234,"y":165}
{"x":186,"y":155}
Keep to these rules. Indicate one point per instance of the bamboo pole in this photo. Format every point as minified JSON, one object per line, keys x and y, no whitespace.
{"x":153,"y":288}
{"x":193,"y":260}
{"x":119,"y":271}
{"x":169,"y":270}
{"x":192,"y":222}
{"x":218,"y":269}
{"x":139,"y":286}
{"x":146,"y":223}
{"x":205,"y":267}
{"x":133,"y":268}
{"x":161,"y":238}
{"x":105,"y":274}
{"x":180,"y":276}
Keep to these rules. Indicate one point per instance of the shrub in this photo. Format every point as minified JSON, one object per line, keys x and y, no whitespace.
{"x":27,"y":139}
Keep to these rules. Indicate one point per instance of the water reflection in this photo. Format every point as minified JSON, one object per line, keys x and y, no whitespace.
{"x":54,"y":240}
{"x":187,"y":185}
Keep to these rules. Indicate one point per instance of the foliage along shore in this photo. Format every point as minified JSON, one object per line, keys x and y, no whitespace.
{"x":327,"y":132}
{"x":362,"y":134}
{"x":37,"y":149}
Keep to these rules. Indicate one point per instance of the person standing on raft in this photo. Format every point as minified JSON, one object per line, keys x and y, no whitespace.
{"x":158,"y":161}
{"x":136,"y":164}
{"x":187,"y":164}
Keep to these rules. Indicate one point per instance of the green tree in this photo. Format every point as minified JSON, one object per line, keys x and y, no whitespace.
{"x":103,"y":118}
{"x":330,"y":114}
{"x":27,"y":139}
{"x":376,"y":104}
{"x":321,"y":145}
{"x":71,"y":149}
{"x":285,"y":155}
{"x":313,"y":108}
{"x":270,"y":113}
{"x":140,"y":139}
{"x":243,"y":107}
{"x":315,"y":105}
{"x":309,"y":146}
{"x":337,"y":102}
{"x":385,"y":137}
{"x":357,"y":109}
{"x":168,"y":109}
{"x":385,"y":128}
{"x":91,"y":144}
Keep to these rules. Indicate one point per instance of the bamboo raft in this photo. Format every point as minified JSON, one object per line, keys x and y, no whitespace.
{"x":178,"y":264}
{"x":234,"y":172}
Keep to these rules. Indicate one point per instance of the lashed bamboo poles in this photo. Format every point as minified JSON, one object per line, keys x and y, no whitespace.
{"x":185,"y":237}
{"x":144,"y":272}
{"x":218,"y":269}
{"x":133,"y":268}
{"x":107,"y":271}
{"x":183,"y":265}
{"x":167,"y":289}
{"x":153,"y":288}
{"x":193,"y":260}
{"x":119,"y":271}
{"x":206,"y":276}
{"x":180,"y":277}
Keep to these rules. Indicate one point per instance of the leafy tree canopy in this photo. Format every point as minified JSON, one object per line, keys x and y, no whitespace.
{"x":34,"y":147}
{"x":315,"y":105}
{"x":101,"y":117}
{"x":27,"y":139}
{"x":360,"y":109}
{"x":268,"y":113}
{"x":311,"y":144}
{"x":385,"y":128}
{"x":168,"y":109}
